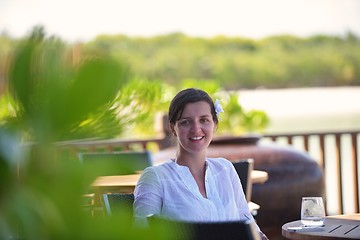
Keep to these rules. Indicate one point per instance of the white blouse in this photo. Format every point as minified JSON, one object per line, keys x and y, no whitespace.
{"x":170,"y":190}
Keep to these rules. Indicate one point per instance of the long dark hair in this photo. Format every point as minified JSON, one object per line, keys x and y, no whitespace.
{"x":189,"y":95}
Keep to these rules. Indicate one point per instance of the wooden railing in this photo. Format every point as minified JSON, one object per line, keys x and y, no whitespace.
{"x":336,"y":152}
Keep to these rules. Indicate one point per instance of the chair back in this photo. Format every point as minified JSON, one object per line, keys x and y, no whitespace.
{"x":114,"y":203}
{"x":116,"y":163}
{"x":230,"y":230}
{"x":244,"y":168}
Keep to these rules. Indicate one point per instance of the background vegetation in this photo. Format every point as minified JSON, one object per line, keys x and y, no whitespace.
{"x":136,"y":106}
{"x":273,"y":62}
{"x":160,"y":66}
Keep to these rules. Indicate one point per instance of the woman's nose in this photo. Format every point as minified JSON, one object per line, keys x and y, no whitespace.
{"x":195,"y":126}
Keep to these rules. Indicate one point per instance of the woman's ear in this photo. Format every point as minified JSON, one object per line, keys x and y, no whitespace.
{"x":172,"y":129}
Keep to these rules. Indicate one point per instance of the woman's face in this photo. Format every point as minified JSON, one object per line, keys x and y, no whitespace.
{"x":195,"y":128}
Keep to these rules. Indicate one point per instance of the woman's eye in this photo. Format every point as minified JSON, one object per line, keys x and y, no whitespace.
{"x":205,"y":120}
{"x":184,"y":122}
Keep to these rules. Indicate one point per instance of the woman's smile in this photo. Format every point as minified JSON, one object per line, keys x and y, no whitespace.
{"x":196,"y":138}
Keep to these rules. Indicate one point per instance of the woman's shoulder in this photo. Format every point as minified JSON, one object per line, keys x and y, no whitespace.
{"x":158,"y":169}
{"x":156,"y":173}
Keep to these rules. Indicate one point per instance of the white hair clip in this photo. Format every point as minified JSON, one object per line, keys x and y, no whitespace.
{"x":218,"y":108}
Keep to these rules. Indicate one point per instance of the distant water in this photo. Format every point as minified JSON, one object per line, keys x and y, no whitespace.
{"x":313,"y":109}
{"x":306,"y":109}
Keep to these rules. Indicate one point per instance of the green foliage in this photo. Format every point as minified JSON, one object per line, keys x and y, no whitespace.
{"x":54,"y":96}
{"x":140,"y":103}
{"x":273,"y":62}
{"x":235,"y":120}
{"x":41,"y":188}
{"x":162,"y":65}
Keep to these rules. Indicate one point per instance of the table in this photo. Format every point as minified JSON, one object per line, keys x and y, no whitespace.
{"x":336,"y":227}
{"x":258,"y":176}
{"x":118,"y":183}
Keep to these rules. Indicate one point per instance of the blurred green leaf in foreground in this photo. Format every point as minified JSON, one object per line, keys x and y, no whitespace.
{"x":41,"y":189}
{"x":54,"y":95}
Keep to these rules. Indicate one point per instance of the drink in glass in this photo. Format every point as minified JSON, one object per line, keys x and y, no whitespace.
{"x":312,"y":211}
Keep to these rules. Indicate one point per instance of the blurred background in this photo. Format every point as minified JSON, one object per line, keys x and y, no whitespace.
{"x":267,"y":50}
{"x":75,"y":70}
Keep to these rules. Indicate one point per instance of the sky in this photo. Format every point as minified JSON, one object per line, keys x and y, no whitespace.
{"x":82,"y":20}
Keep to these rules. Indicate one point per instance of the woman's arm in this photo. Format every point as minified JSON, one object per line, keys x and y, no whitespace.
{"x":148,"y":196}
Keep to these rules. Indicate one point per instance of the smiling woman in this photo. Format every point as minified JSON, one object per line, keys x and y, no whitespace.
{"x":190,"y":182}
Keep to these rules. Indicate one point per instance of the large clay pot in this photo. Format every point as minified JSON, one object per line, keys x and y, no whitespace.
{"x":292,"y":175}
